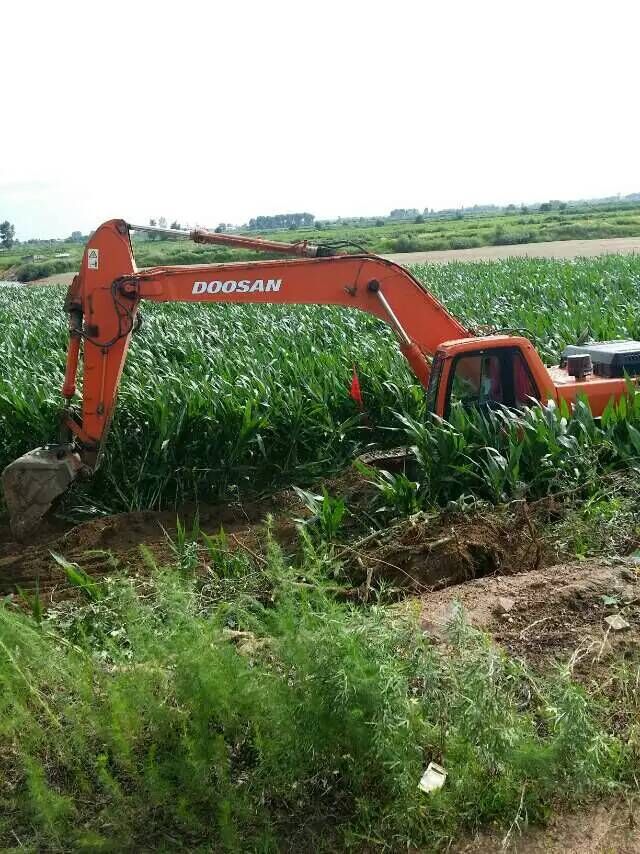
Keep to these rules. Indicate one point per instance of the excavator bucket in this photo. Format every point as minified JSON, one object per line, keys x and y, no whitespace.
{"x":33,"y":482}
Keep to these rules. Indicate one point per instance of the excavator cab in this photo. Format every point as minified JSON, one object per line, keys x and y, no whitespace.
{"x":504,"y":370}
{"x":480,"y":377}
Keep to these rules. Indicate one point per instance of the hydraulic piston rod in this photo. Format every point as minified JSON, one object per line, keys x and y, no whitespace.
{"x":302,"y":249}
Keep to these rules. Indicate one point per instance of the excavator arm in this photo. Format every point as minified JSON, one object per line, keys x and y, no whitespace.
{"x":102,"y":305}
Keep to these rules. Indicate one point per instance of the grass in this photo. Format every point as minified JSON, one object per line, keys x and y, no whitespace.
{"x":502,"y":455}
{"x":167,"y":714}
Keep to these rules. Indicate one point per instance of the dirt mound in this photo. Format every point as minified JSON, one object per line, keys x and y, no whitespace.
{"x":549,"y":613}
{"x":429,"y":552}
{"x":605,"y":828}
{"x":103,"y":543}
{"x":107,"y":542}
{"x":421,"y":553}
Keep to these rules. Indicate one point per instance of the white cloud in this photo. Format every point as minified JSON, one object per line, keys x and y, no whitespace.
{"x":208,"y":111}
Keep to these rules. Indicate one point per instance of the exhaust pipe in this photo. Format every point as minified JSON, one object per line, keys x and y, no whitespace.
{"x":32,"y":483}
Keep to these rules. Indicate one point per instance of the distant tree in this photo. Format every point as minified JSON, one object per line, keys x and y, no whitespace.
{"x":419,"y":219}
{"x":403,"y":213}
{"x":511,"y":209}
{"x":379,"y":222}
{"x":460,"y":214}
{"x":318,"y":225}
{"x":545,"y":207}
{"x":161,"y":223}
{"x":562,"y":206}
{"x":294,"y":220}
{"x":219,"y":229}
{"x":175,"y":224}
{"x":524,"y":209}
{"x":7,"y":234}
{"x":76,"y":237}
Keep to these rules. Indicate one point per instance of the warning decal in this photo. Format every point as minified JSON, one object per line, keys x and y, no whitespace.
{"x":92,"y":259}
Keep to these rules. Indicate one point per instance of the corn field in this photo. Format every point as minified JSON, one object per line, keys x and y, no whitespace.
{"x":222,"y":401}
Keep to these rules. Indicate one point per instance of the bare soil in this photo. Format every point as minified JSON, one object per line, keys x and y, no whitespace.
{"x":425,"y":553}
{"x":97,"y":543}
{"x":553,"y":613}
{"x":604,"y":828}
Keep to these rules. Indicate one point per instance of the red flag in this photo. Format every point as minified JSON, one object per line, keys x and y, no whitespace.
{"x":354,"y":389}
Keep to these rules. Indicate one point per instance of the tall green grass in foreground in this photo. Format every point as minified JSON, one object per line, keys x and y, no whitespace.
{"x":224,"y":400}
{"x":175,"y":714}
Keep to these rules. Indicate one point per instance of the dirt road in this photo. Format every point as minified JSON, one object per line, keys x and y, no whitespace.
{"x":555,"y":249}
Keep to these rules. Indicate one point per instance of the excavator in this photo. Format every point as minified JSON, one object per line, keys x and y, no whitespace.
{"x":453,"y":365}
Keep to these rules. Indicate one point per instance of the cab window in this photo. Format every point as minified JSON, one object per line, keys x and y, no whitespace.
{"x":523,"y":387}
{"x":477,"y":381}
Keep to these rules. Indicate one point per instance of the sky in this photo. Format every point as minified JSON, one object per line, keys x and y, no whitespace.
{"x":209,"y":111}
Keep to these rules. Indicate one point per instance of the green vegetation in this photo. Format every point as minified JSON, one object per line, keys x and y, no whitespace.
{"x":172,"y":713}
{"x":222,"y":401}
{"x":215,"y":402}
{"x":240,"y":699}
{"x":7,"y":234}
{"x":499,"y":455}
{"x":457,"y":230}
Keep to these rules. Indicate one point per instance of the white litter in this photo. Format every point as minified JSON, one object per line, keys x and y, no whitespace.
{"x":617,"y":623}
{"x":505,"y":604}
{"x":433,"y":778}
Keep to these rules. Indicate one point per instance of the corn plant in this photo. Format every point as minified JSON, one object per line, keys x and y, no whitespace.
{"x":503,"y":454}
{"x":327,"y":512}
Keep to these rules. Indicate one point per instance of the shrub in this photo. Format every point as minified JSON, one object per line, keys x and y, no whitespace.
{"x":405,"y":243}
{"x":33,"y":270}
{"x":464,"y":242}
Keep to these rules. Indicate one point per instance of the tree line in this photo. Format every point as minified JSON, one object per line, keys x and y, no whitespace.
{"x":291,"y":220}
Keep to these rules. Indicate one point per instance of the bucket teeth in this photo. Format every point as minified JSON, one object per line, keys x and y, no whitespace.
{"x":34,"y":481}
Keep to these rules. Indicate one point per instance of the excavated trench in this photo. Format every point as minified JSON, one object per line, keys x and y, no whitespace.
{"x":497,"y":564}
{"x":430,"y":552}
{"x":420,"y":553}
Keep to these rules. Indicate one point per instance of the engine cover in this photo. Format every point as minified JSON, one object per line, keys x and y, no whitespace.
{"x":609,"y":358}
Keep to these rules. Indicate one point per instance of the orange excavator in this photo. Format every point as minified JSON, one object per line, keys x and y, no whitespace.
{"x":452,"y":365}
